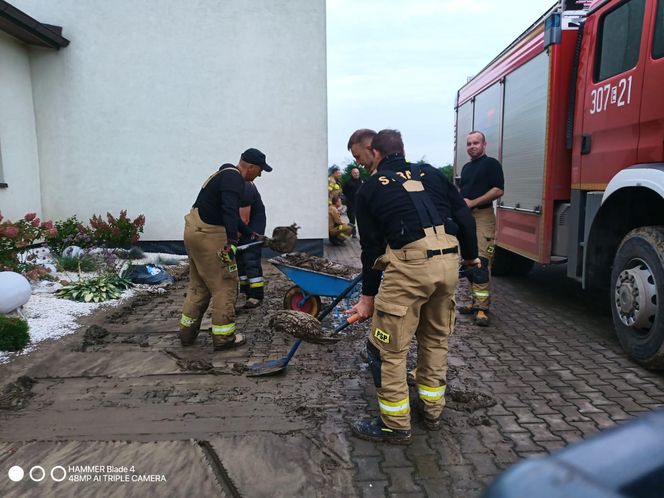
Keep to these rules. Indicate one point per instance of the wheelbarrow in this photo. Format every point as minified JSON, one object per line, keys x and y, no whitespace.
{"x":310,"y":286}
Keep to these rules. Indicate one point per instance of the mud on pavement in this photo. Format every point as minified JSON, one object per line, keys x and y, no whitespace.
{"x":123,"y":394}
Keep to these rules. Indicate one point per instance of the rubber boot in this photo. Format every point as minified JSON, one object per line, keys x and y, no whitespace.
{"x":189,"y":334}
{"x":374,"y":429}
{"x":221,"y":343}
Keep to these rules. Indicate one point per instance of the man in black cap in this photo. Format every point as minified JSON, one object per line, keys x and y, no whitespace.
{"x":210,"y":237}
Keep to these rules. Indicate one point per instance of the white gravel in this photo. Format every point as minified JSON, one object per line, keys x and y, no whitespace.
{"x":51,"y":318}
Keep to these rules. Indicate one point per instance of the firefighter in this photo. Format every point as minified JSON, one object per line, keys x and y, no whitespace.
{"x":481,"y":183}
{"x":252,"y":215}
{"x":337,"y":230}
{"x":210,"y":237}
{"x":359,"y":144}
{"x":410,"y":216}
{"x":333,"y":186}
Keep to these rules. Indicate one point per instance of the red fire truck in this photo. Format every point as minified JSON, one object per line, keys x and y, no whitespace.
{"x":574,"y":110}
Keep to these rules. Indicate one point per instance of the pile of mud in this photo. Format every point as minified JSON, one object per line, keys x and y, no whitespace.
{"x":315,"y":263}
{"x":303,"y":326}
{"x":17,"y":394}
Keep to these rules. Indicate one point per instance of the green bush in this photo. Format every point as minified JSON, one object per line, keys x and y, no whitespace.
{"x":118,"y":231}
{"x":95,"y":290}
{"x":69,"y":263}
{"x":13,"y":333}
{"x":70,"y":232}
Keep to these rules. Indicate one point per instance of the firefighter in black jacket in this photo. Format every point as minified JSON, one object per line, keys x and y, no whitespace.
{"x":210,"y":237}
{"x":411,"y":219}
{"x":252,"y":212}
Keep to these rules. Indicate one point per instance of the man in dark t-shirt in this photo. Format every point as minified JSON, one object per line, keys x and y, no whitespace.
{"x":482,"y":182}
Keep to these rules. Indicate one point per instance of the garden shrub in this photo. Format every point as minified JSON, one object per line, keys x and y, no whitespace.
{"x":17,"y":236}
{"x":13,"y":333}
{"x":70,"y":232}
{"x":117,"y":232}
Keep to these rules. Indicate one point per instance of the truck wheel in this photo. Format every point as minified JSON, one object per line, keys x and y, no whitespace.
{"x":637,"y":295}
{"x":506,"y":264}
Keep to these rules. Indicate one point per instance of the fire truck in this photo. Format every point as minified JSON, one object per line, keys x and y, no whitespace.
{"x":574,"y":110}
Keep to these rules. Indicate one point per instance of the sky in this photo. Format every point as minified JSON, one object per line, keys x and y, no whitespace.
{"x":398,"y":64}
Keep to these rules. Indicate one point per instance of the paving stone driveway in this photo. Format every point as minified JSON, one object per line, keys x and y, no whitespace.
{"x":554,"y":368}
{"x":548,"y":372}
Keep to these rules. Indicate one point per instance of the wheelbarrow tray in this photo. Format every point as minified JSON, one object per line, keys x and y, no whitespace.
{"x":314,"y":283}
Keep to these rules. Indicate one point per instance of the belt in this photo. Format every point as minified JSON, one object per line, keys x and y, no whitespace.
{"x":439,"y":252}
{"x":415,"y":254}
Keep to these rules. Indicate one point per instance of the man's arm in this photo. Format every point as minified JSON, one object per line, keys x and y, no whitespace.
{"x":490,"y":196}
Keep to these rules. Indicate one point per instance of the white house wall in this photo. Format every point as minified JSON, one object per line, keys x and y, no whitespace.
{"x":150,"y":97}
{"x":18,"y":142}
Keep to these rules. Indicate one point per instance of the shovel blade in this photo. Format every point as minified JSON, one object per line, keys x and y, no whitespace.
{"x":270,"y":367}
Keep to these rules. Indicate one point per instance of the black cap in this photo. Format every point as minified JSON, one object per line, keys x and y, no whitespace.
{"x":255,"y":156}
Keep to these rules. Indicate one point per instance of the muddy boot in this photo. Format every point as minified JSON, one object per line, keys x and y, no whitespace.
{"x":482,"y":318}
{"x":373,"y":429}
{"x":252,"y":302}
{"x":429,"y":423}
{"x":189,"y":334}
{"x":237,"y":340}
{"x":467,"y":310}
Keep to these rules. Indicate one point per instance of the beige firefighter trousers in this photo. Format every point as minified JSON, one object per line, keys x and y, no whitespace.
{"x":211,"y":281}
{"x":485,"y":220}
{"x":416,"y":298}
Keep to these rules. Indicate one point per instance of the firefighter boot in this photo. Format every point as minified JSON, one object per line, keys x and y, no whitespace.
{"x":373,"y":429}
{"x":189,"y":329}
{"x":221,"y":343}
{"x":482,"y":318}
{"x":467,"y":310}
{"x":429,"y":423}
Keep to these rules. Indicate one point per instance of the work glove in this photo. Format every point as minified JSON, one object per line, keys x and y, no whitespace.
{"x":227,"y":254}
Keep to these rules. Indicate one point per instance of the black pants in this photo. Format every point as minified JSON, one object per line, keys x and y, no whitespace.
{"x":350,"y":212}
{"x":251,"y":272}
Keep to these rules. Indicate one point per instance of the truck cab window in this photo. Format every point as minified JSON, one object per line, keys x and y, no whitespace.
{"x":619,"y":39}
{"x":658,"y":40}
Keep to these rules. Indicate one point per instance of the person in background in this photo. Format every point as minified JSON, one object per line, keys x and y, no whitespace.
{"x":481,"y":183}
{"x":252,"y":214}
{"x":350,"y":189}
{"x":333,"y":186}
{"x":338,"y":231}
{"x":211,"y":238}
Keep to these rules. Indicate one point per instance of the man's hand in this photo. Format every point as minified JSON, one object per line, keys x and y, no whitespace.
{"x":364,"y":307}
{"x":470,"y":203}
{"x":227,"y":254}
{"x":473,"y":262}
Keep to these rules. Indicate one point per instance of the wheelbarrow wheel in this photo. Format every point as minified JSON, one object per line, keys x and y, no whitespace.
{"x":294,"y":300}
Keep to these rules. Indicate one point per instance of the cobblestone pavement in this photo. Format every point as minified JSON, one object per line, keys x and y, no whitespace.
{"x":551,"y":363}
{"x":548,"y":372}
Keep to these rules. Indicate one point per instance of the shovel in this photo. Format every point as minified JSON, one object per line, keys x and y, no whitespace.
{"x":271,"y":367}
{"x":283,"y":240}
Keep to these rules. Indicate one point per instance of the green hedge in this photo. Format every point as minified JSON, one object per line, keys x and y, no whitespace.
{"x":13,"y":333}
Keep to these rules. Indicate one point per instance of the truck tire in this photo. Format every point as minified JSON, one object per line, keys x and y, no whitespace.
{"x":637,"y":295}
{"x":506,"y":263}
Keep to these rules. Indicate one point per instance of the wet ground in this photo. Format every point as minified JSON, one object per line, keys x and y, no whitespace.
{"x":162,"y":420}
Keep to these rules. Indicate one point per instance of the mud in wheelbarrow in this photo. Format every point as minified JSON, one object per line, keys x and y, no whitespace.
{"x":314,"y":278}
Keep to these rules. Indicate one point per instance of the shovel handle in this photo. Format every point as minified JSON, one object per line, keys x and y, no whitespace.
{"x":349,"y":321}
{"x":250,"y":244}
